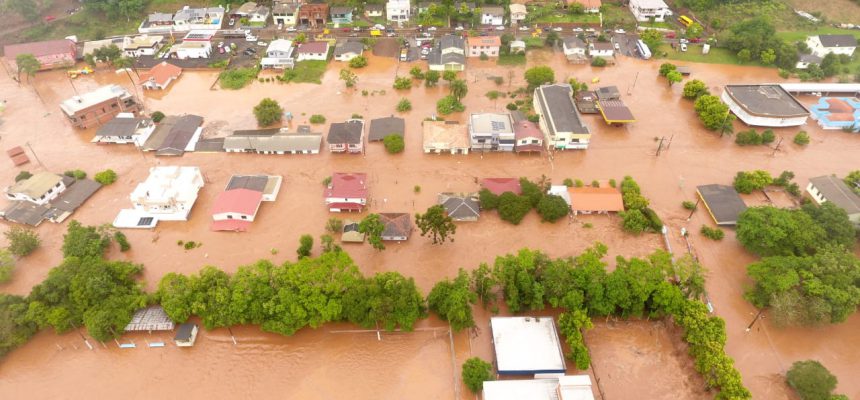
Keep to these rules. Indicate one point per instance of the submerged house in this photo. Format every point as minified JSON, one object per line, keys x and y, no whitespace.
{"x":398,"y":226}
{"x":461,"y":207}
{"x":38,"y":189}
{"x":160,"y":76}
{"x":274,"y":141}
{"x":346,"y":192}
{"x":236,"y":207}
{"x":99,"y":106}
{"x":175,"y":135}
{"x":346,"y":137}
{"x":124,"y":129}
{"x":444,"y":137}
{"x":168,"y":194}
{"x":559,"y":119}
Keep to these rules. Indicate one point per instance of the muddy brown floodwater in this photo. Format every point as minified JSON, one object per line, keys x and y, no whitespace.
{"x":321,"y":364}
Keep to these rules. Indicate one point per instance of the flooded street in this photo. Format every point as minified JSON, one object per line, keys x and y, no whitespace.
{"x":320,"y":364}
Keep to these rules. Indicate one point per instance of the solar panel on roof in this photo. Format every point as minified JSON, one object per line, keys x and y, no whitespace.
{"x":497,"y":125}
{"x":144,"y":221}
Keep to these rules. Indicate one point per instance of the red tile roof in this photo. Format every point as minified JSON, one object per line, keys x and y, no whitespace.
{"x":40,"y":49}
{"x":500,"y":185}
{"x":527,"y":129}
{"x":347,"y":186}
{"x":161,"y":73}
{"x":595,"y":199}
{"x":493,"y":41}
{"x":313,"y":47}
{"x":241,"y":201}
{"x":235,"y":225}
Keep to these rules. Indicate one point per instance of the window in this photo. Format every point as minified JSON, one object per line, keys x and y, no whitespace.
{"x":229,"y":217}
{"x":244,"y":217}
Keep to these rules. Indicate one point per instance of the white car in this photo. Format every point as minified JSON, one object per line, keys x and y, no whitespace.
{"x":556,"y":29}
{"x":524,"y":28}
{"x":379,"y":27}
{"x":431,"y":29}
{"x":617,"y":46}
{"x":589,"y":29}
{"x":250,"y":38}
{"x":683,"y":47}
{"x":356,"y":29}
{"x":619,"y":30}
{"x":500,"y":28}
{"x":291,"y":29}
{"x":263,"y":44}
{"x":459,"y":28}
{"x":577,"y":29}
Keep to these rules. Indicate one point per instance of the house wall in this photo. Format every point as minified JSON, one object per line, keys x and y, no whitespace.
{"x":570,"y":51}
{"x":103,"y":112}
{"x":495,"y":20}
{"x":755,"y":120}
{"x":442,"y":148}
{"x":346,"y":56}
{"x":312,"y":56}
{"x":354,"y":200}
{"x":46,"y":198}
{"x":815,"y":47}
{"x":518,"y":17}
{"x":645,"y":14}
{"x":394,"y":238}
{"x":186,"y":53}
{"x":602,"y":53}
{"x":475,"y":51}
{"x":150,"y":84}
{"x":232,"y":215}
{"x":373,"y":13}
{"x":143,"y":51}
{"x":285,"y":19}
{"x":398,"y":10}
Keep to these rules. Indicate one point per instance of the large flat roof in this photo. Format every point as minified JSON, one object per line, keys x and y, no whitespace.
{"x":559,"y":109}
{"x":766,"y":101}
{"x":570,"y":387}
{"x":526,"y":345}
{"x":723,"y":203}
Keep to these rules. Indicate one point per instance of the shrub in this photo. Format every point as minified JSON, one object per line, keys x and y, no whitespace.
{"x":23,"y":175}
{"x":578,"y":183}
{"x":356,"y":116}
{"x":393,"y":144}
{"x":237,"y":78}
{"x":598,"y":62}
{"x":612,"y":183}
{"x":513,"y":208}
{"x":106,"y":177}
{"x":539,"y":75}
{"x":551,"y":208}
{"x":22,"y":241}
{"x":326,"y":181}
{"x":475,"y":372}
{"x":654,"y":220}
{"x":595,"y":183}
{"x":533,"y":118}
{"x":802,"y":138}
{"x":120,"y":238}
{"x":449,"y":104}
{"x":688,"y":205}
{"x":511,"y":106}
{"x":306,"y":243}
{"x":634,"y":221}
{"x":416,"y":72}
{"x":494,"y":94}
{"x":417,"y":189}
{"x":810,"y":380}
{"x":333,"y":225}
{"x":750,"y":137}
{"x":157,"y":116}
{"x":488,"y":200}
{"x":76,"y":173}
{"x":484,"y":56}
{"x":404,"y":105}
{"x":358,"y":62}
{"x":767,"y":136}
{"x":190,"y":245}
{"x":712,"y":233}
{"x":568,"y":182}
{"x":317,"y":119}
{"x":746,"y":182}
{"x":694,"y":89}
{"x":402,"y":83}
{"x":268,"y":112}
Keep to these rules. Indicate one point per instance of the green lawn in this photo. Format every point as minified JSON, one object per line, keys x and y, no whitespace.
{"x":86,"y":25}
{"x":659,"y":25}
{"x":694,"y":54}
{"x":306,"y":72}
{"x":512,"y":59}
{"x":615,"y":15}
{"x":534,"y":42}
{"x":794,"y":36}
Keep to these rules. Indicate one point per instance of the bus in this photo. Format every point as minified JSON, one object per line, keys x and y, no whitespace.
{"x":644,"y":51}
{"x":685,"y":20}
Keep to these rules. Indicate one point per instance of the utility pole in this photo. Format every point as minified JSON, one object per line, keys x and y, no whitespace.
{"x":698,"y":199}
{"x":775,"y":149}
{"x":34,"y":154}
{"x":660,"y":146}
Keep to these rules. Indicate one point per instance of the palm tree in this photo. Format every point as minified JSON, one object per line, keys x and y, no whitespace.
{"x":28,"y":64}
{"x":459,"y":89}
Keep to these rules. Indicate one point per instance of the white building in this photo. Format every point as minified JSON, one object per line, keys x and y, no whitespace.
{"x":563,"y":387}
{"x":284,"y":13}
{"x":518,"y":13}
{"x":398,"y":11}
{"x":644,"y":10}
{"x":492,"y":15}
{"x":764,"y":105}
{"x":168,"y":194}
{"x":823,"y":45}
{"x":236,"y":207}
{"x":832,"y":189}
{"x":188,"y":18}
{"x":491,"y":132}
{"x":142,"y":45}
{"x":526,"y":346}
{"x":38,"y":189}
{"x":312,"y":51}
{"x":559,"y":120}
{"x":279,"y":55}
{"x":186,"y":50}
{"x":574,"y":49}
{"x":124,"y":129}
{"x":601,"y":49}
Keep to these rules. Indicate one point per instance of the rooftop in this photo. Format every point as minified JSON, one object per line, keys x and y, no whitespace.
{"x":141,"y":41}
{"x":568,"y":387}
{"x":491,"y":123}
{"x":161,"y":73}
{"x":500,"y":185}
{"x":313,"y":47}
{"x":347,"y":185}
{"x":75,"y":195}
{"x":766,"y":101}
{"x":35,"y":186}
{"x":77,"y":103}
{"x":573,"y":42}
{"x":837,"y":192}
{"x":39,"y":49}
{"x":451,"y":41}
{"x":396,"y":224}
{"x":559,"y":110}
{"x":240,"y":201}
{"x":608,"y":93}
{"x":526,"y":129}
{"x":491,"y":41}
{"x":723,"y":203}
{"x":123,"y":126}
{"x":349,"y":132}
{"x":173,"y":134}
{"x":838,"y":40}
{"x":272,"y":140}
{"x":447,"y":134}
{"x":615,"y":111}
{"x":460,"y":207}
{"x":382,"y":127}
{"x":348,"y":47}
{"x":492,"y":10}
{"x":526,"y":345}
{"x":606,"y":199}
{"x":152,"y":318}
{"x":25,"y":212}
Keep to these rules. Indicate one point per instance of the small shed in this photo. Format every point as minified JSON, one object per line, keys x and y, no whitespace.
{"x":18,"y":156}
{"x":186,"y":335}
{"x":723,"y":203}
{"x":152,"y":318}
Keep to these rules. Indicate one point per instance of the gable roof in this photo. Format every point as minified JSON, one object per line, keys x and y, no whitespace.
{"x":493,"y":10}
{"x":347,"y":186}
{"x":340,"y":10}
{"x":382,"y":127}
{"x":492,"y":41}
{"x":348,"y":47}
{"x":518,"y":8}
{"x":595,"y":199}
{"x":602,"y":46}
{"x":838,"y":40}
{"x":837,"y":192}
{"x":313,"y":47}
{"x":256,"y":183}
{"x":573,"y":42}
{"x":451,"y":41}
{"x":349,"y":132}
{"x":558,"y":109}
{"x":161,"y":73}
{"x":241,"y":201}
{"x":40,"y":49}
{"x":396,"y":224}
{"x":500,"y":185}
{"x":460,"y":207}
{"x":37,"y":185}
{"x":122,"y":126}
{"x":180,"y":131}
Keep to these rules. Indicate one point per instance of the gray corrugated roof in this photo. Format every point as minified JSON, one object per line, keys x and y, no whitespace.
{"x":75,"y":195}
{"x":724,"y":203}
{"x":24,"y":212}
{"x":608,"y":93}
{"x":573,"y":42}
{"x":838,"y":40}
{"x":837,"y":192}
{"x":558,"y":107}
{"x":451,"y":41}
{"x":349,"y":132}
{"x":348,"y":47}
{"x":250,"y":182}
{"x":122,"y":126}
{"x":262,"y":142}
{"x":766,"y":100}
{"x":382,"y":127}
{"x":181,"y":132}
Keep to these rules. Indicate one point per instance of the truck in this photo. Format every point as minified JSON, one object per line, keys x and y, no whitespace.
{"x":404,"y":54}
{"x":376,"y":32}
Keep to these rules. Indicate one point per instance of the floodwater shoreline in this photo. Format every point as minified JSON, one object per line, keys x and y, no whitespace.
{"x":694,"y":157}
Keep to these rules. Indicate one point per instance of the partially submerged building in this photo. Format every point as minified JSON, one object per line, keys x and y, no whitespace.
{"x":528,"y":137}
{"x":595,"y":200}
{"x":125,"y":128}
{"x":346,"y":137}
{"x":563,"y":387}
{"x":346,"y":51}
{"x":274,"y":141}
{"x":236,"y":207}
{"x":723,"y":203}
{"x":831,"y":189}
{"x":764,"y":105}
{"x":526,"y":346}
{"x":382,"y":127}
{"x":51,"y":54}
{"x":346,"y":192}
{"x":448,"y":55}
{"x":491,"y":132}
{"x":175,"y":135}
{"x":60,"y":207}
{"x":279,"y":55}
{"x":398,"y":226}
{"x":148,"y":319}
{"x":445,"y":137}
{"x":837,"y":113}
{"x":350,"y":233}
{"x":186,"y":335}
{"x":461,"y":207}
{"x":168,"y":194}
{"x":497,"y":186}
{"x":99,"y":106}
{"x":559,"y":120}
{"x":160,"y":76}
{"x":38,"y":189}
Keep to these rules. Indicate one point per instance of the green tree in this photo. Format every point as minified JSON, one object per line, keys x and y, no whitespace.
{"x":488,"y":199}
{"x":108,"y":55}
{"x":393,"y":143}
{"x":767,"y":57}
{"x":652,"y":38}
{"x":459,"y":89}
{"x":306,"y":244}
{"x":387,"y":298}
{"x":22,"y":176}
{"x":517,"y":277}
{"x":666,"y":68}
{"x":834,"y":220}
{"x":449,"y":76}
{"x":28,"y":64}
{"x":449,"y":104}
{"x":598,"y":62}
{"x":452,"y":300}
{"x":695,"y":30}
{"x":539,"y":75}
{"x":852,"y":180}
{"x":744,"y":55}
{"x":105,"y":177}
{"x":404,"y":105}
{"x":475,"y":372}
{"x":801,"y":138}
{"x":570,"y":325}
{"x":402,"y":83}
{"x":694,"y":89}
{"x":551,"y":208}
{"x":22,"y":241}
{"x":634,"y":221}
{"x":15,"y":329}
{"x":771,"y":231}
{"x":7,"y":266}
{"x":437,"y":224}
{"x":431,"y":78}
{"x":268,"y":112}
{"x":747,"y":181}
{"x":674,"y":77}
{"x":174,"y":295}
{"x":28,"y":9}
{"x":712,"y":112}
{"x":373,"y":227}
{"x":552,"y":38}
{"x":358,"y":62}
{"x":157,"y":116}
{"x":483,"y":283}
{"x":513,"y":208}
{"x":811,"y":380}
{"x":348,"y":77}
{"x":84,"y":241}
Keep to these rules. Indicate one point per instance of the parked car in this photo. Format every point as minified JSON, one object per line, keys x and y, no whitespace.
{"x":683,"y":41}
{"x":669,"y":35}
{"x":391,"y":34}
{"x":290,"y":29}
{"x":619,"y":30}
{"x":577,"y":29}
{"x":589,"y":29}
{"x":379,"y":26}
{"x":262,"y":44}
{"x":683,"y":47}
{"x":617,"y":46}
{"x":459,"y":28}
{"x":556,"y":29}
{"x":524,"y":28}
{"x":50,"y":18}
{"x":232,"y":22}
{"x":500,"y":28}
